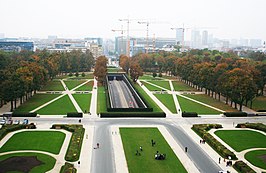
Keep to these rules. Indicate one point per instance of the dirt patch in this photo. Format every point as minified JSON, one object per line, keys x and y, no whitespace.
{"x":19,"y":163}
{"x":263,"y":157}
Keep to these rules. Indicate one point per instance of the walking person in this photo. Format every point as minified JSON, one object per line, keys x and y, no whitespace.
{"x":219,"y":160}
{"x":186,"y":149}
{"x":98,"y":145}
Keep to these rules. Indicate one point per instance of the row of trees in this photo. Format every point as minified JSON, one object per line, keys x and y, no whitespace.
{"x":239,"y":80}
{"x":25,"y":72}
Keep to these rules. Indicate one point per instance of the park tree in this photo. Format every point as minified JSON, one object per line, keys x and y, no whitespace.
{"x":100,"y":69}
{"x":135,"y":71}
{"x":124,"y":63}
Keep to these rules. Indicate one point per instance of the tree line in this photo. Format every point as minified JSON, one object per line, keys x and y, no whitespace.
{"x":239,"y":80}
{"x":25,"y":72}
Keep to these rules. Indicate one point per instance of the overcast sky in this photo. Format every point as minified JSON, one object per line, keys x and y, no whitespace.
{"x":96,"y":18}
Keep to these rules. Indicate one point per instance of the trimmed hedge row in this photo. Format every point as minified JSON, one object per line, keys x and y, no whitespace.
{"x":74,"y":147}
{"x":10,"y":128}
{"x":242,"y":167}
{"x":235,"y":114}
{"x":133,"y":114}
{"x":26,"y":114}
{"x":68,"y":168}
{"x":75,"y":114}
{"x":189,"y":114}
{"x":257,"y":126}
{"x":202,"y":131}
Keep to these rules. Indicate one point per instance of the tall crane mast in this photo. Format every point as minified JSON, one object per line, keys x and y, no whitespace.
{"x":183,"y":36}
{"x":147,"y":35}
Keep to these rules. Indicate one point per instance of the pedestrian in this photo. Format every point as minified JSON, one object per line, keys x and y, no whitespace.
{"x":152,"y":142}
{"x":186,"y":149}
{"x":98,"y":145}
{"x":200,"y":141}
{"x":219,"y":160}
{"x":140,"y":148}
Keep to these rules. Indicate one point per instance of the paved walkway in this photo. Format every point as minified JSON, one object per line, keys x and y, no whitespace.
{"x":178,"y":107}
{"x":60,"y":158}
{"x":164,"y":108}
{"x":93,"y":108}
{"x":240,"y":155}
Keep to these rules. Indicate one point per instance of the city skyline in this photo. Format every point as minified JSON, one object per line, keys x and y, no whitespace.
{"x":80,"y":18}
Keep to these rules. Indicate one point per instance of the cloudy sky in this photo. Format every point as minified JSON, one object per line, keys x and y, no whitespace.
{"x":96,"y":18}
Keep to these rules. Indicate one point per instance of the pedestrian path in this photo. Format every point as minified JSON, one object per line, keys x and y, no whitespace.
{"x":178,"y":108}
{"x":240,"y":155}
{"x":162,"y":106}
{"x":60,"y":157}
{"x":93,"y":108}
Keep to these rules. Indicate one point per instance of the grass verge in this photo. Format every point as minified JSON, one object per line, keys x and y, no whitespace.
{"x":84,"y":101}
{"x":48,"y":161}
{"x":257,"y":158}
{"x":241,"y":140}
{"x":59,"y":107}
{"x":168,"y":101}
{"x":190,"y":106}
{"x":49,"y":141}
{"x":53,"y":86}
{"x":34,"y":102}
{"x":133,"y":138}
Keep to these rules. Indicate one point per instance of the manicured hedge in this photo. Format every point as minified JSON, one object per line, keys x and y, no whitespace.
{"x":75,"y":114}
{"x":189,"y":114}
{"x":257,"y":126}
{"x":242,"y":167}
{"x":68,"y":168}
{"x":235,"y":114}
{"x":10,"y":128}
{"x":202,"y":131}
{"x":74,"y":147}
{"x":26,"y":114}
{"x":133,"y":114}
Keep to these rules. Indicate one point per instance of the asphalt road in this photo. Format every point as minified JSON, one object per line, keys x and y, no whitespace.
{"x":103,"y":158}
{"x":121,"y":96}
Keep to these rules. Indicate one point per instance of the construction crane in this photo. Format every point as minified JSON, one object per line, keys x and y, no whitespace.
{"x":183,"y":36}
{"x":147,"y":23}
{"x":122,"y":35}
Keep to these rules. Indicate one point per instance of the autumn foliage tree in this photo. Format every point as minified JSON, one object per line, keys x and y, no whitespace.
{"x":135,"y":71}
{"x":124,"y":63}
{"x":100,"y":69}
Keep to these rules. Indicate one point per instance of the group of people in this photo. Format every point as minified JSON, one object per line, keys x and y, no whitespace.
{"x":159,"y":156}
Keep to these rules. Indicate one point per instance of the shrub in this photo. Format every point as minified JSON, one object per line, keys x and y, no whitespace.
{"x":242,"y":167}
{"x":257,"y":126}
{"x":189,"y":114}
{"x":76,"y":74}
{"x":154,"y":74}
{"x":75,"y":114}
{"x":133,"y":114}
{"x":68,"y":168}
{"x":74,"y":147}
{"x":70,"y":74}
{"x":27,"y":114}
{"x":83,"y":74}
{"x":202,"y":131}
{"x":10,"y":128}
{"x":160,"y":74}
{"x":235,"y":114}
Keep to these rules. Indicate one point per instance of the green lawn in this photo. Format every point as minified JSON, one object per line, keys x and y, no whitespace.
{"x":73,"y":83}
{"x":257,"y":158}
{"x":164,"y":84}
{"x":181,"y":86}
{"x":212,"y":102}
{"x":34,"y":102}
{"x":149,"y":77}
{"x":168,"y":101}
{"x":101,"y":100}
{"x":151,"y":87}
{"x":59,"y":107}
{"x":241,"y":140}
{"x":190,"y":106}
{"x":53,"y":86}
{"x":149,"y":101}
{"x":49,"y":141}
{"x":48,"y":161}
{"x":133,"y":138}
{"x":87,"y":87}
{"x":259,"y":103}
{"x":62,"y":77}
{"x":84,"y":101}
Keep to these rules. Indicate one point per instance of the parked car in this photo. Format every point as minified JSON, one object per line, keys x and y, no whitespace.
{"x":25,"y":121}
{"x":2,"y":122}
{"x":16,"y":122}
